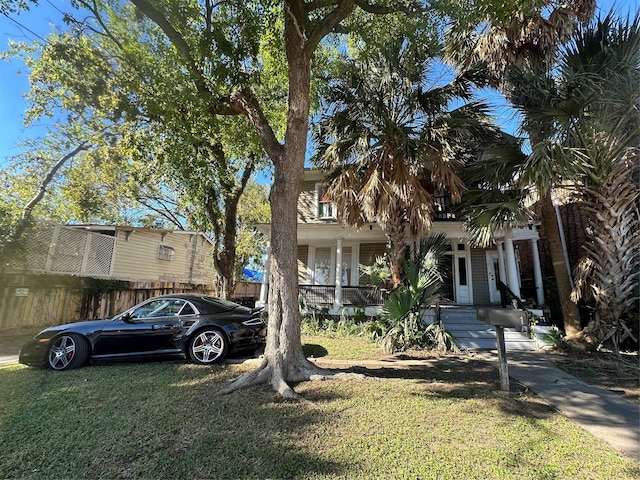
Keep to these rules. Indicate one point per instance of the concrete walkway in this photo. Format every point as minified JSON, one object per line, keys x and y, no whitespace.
{"x":7,"y":359}
{"x":606,"y":415}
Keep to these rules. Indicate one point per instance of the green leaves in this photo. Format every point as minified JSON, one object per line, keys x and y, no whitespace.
{"x":403,"y":311}
{"x":389,"y":144}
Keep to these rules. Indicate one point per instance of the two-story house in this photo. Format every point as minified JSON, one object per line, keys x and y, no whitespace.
{"x":330,"y":255}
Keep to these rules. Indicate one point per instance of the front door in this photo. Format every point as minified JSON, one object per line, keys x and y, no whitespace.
{"x":493,"y":274}
{"x":463,"y":274}
{"x":457,"y":286}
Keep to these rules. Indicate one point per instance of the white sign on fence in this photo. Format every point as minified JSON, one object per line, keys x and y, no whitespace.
{"x":22,"y":292}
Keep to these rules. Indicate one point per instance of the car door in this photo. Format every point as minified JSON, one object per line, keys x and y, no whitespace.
{"x":148,"y":328}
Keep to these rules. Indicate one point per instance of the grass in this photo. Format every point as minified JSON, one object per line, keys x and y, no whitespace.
{"x":447,"y":420}
{"x":336,"y":348}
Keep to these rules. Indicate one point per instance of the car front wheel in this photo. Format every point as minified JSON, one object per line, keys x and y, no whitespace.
{"x":208,"y":346}
{"x":68,"y":351}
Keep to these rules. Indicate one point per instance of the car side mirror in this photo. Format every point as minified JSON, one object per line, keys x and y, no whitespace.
{"x":126,"y":317}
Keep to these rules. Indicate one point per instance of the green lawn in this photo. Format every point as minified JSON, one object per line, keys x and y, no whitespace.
{"x":161,"y":420}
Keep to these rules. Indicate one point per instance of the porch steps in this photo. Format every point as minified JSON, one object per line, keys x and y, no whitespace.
{"x":471,"y":333}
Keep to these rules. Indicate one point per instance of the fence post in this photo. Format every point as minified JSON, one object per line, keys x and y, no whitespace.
{"x":85,"y":256}
{"x":52,"y":248}
{"x":503,"y":369}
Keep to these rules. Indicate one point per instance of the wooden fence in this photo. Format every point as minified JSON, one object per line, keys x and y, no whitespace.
{"x":28,"y":301}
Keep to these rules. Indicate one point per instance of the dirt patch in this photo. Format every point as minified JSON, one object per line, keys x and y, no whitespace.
{"x":618,"y":374}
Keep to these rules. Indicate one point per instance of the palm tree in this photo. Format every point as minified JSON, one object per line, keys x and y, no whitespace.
{"x":494,"y":200}
{"x":523,"y":35}
{"x":402,"y":313}
{"x":603,"y":68}
{"x":609,"y":272}
{"x":389,"y":145}
{"x":529,"y":40}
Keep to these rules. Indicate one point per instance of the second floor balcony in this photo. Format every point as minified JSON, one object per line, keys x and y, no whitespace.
{"x":443,"y":208}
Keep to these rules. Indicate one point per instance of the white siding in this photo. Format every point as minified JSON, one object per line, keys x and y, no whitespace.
{"x":479,"y":277}
{"x":136,"y":258}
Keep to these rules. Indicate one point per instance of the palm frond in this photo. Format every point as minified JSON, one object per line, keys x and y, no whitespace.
{"x":486,"y":211}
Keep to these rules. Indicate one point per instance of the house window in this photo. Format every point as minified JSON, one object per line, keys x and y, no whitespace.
{"x":346,"y":266}
{"x":322,"y":266}
{"x":166,"y":253}
{"x":462,"y":270}
{"x":326,"y":208}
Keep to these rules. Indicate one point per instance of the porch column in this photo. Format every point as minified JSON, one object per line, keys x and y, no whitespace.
{"x":264,"y":287}
{"x":537,"y":272}
{"x":501,"y":270}
{"x":512,"y":268}
{"x":337,"y":300}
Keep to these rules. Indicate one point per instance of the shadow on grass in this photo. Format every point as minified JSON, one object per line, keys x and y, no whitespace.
{"x":163,"y":420}
{"x":464,"y":379}
{"x":312,"y":350}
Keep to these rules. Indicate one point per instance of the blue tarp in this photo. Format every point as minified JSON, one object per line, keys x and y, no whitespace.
{"x":251,"y":275}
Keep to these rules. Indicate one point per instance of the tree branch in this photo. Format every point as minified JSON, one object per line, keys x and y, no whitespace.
{"x":318,"y":4}
{"x":246,"y":175}
{"x":377,"y":9}
{"x":26,"y":212}
{"x":327,"y":25}
{"x":213,"y":211}
{"x":178,"y":42}
{"x":22,"y":224}
{"x":247,"y":102}
{"x":165,"y":211}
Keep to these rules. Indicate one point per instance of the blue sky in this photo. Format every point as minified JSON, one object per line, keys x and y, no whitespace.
{"x":39,"y":21}
{"x":14,"y":76}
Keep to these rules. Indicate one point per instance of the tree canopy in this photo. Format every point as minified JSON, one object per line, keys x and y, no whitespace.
{"x":208,"y":71}
{"x":165,"y":147}
{"x":391,"y":145}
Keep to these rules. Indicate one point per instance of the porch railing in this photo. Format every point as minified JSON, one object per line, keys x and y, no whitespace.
{"x":443,"y":208}
{"x":360,"y":296}
{"x":506,"y":295}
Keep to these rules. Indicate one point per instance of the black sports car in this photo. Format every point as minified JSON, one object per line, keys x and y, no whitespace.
{"x":198,"y":327}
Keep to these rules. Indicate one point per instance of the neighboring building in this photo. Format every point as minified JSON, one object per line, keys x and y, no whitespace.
{"x":121,"y":253}
{"x":329,"y":256}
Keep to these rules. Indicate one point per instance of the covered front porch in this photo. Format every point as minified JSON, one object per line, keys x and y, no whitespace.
{"x":329,"y":259}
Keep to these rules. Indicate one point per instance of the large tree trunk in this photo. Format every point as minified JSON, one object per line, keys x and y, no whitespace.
{"x":570,"y":313}
{"x":225,"y":260}
{"x":284,"y":361}
{"x":305,"y":26}
{"x":609,"y":271}
{"x":396,"y":235}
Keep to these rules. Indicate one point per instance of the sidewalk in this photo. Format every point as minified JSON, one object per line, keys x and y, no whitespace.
{"x":606,"y":415}
{"x":7,"y":359}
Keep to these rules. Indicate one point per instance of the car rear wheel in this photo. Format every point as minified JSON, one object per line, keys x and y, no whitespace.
{"x":208,"y":346}
{"x":68,"y":351}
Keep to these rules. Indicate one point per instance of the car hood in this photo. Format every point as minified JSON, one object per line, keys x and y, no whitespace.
{"x":87,"y":325}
